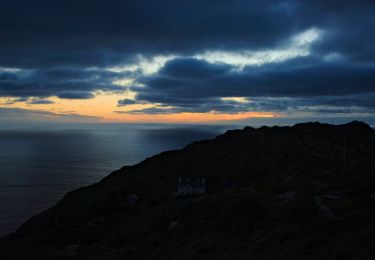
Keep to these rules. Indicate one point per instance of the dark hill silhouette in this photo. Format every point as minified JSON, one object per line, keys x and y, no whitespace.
{"x":301,"y":192}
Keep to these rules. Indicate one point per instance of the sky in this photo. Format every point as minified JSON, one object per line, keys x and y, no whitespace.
{"x":186,"y":61}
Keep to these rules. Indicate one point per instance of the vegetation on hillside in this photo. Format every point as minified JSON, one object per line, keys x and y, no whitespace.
{"x":301,"y":192}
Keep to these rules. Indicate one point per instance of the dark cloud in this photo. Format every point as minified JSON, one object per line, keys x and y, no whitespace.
{"x":57,"y":45}
{"x":64,"y":83}
{"x":125,"y":102}
{"x":308,"y":80}
{"x":219,"y":107}
{"x":18,"y":115}
{"x":16,"y":100}
{"x":347,"y":26}
{"x":75,"y":95}
{"x":40,"y":101}
{"x":190,"y":69}
{"x":83,"y":33}
{"x":278,"y":105}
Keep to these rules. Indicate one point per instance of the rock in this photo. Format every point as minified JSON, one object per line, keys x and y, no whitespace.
{"x":132,"y":199}
{"x":117,"y":197}
{"x":288,"y":196}
{"x":173,"y":225}
{"x":331,"y":196}
{"x":71,"y":250}
{"x":324,"y":211}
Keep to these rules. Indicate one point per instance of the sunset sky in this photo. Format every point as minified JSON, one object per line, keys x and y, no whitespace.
{"x":186,"y":61}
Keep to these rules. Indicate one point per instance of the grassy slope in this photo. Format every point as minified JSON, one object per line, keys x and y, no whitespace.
{"x":241,"y":217}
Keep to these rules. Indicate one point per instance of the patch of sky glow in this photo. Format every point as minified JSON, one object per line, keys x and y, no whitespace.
{"x":125,"y":82}
{"x":20,"y":73}
{"x":298,"y":46}
{"x":126,"y":68}
{"x":306,"y":38}
{"x":144,"y":65}
{"x":131,"y":95}
{"x":236,"y":99}
{"x":333,"y":57}
{"x":12,"y":70}
{"x":154,"y":64}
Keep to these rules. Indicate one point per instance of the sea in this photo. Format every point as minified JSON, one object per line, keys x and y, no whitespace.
{"x":39,"y":165}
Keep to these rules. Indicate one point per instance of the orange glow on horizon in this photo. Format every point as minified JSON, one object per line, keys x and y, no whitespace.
{"x":104,"y":106}
{"x":190,"y":117}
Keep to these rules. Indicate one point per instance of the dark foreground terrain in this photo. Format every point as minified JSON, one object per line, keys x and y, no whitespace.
{"x":301,"y":192}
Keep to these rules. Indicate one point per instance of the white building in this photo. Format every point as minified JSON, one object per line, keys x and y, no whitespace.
{"x":189,"y":186}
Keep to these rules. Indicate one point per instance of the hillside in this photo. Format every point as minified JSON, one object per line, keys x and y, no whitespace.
{"x":300,"y":192}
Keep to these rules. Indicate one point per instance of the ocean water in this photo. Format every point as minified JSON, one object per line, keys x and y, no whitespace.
{"x":38,"y":166}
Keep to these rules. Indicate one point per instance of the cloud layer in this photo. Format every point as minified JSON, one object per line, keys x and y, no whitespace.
{"x":193,"y":56}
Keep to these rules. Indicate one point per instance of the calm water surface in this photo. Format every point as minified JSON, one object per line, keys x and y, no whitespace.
{"x":37,"y":167}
